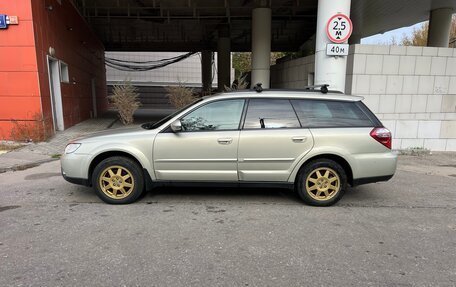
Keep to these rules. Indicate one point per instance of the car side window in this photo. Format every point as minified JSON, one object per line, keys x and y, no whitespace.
{"x":270,"y":114}
{"x":323,"y":114}
{"x":216,"y":116}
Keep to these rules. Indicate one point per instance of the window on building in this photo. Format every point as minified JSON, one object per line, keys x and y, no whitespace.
{"x":64,"y":75}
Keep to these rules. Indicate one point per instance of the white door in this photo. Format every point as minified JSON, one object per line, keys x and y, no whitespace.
{"x":206,"y":149}
{"x":56,"y":94}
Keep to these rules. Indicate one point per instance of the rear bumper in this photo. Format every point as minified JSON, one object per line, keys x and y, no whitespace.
{"x":369,"y":166}
{"x":366,"y":180}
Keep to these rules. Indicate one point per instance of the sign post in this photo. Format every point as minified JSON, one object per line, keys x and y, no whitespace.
{"x":330,"y":70}
{"x":338,"y":29}
{"x":337,"y":49}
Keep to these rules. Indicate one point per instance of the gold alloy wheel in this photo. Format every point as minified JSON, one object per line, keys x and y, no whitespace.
{"x":323,"y":184}
{"x":116,"y":182}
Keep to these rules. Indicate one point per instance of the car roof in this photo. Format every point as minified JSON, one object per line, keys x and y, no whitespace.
{"x":279,"y":93}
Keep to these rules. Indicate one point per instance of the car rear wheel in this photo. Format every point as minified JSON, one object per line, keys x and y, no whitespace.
{"x":321,"y":182}
{"x":118,"y":180}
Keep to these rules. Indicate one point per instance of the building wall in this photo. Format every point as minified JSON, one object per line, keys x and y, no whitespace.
{"x":76,"y":45}
{"x":294,"y":74}
{"x":24,"y":84}
{"x":19,"y":85}
{"x":411,"y":89}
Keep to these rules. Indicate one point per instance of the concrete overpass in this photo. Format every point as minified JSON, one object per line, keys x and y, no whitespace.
{"x":259,"y":26}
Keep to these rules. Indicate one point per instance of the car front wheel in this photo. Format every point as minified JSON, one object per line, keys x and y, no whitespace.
{"x":118,"y":180}
{"x":322,"y":182}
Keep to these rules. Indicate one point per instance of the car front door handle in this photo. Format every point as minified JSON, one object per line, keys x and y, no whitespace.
{"x":299,"y":139}
{"x":225,"y":141}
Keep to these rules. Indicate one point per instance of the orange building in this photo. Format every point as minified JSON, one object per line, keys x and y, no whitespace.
{"x":52,"y":72}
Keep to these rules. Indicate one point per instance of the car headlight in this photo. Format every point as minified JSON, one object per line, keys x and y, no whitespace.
{"x":72,"y":147}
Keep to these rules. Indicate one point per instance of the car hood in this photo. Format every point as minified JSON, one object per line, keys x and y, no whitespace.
{"x":127,"y":132}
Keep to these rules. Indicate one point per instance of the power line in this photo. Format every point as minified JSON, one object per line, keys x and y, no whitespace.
{"x":136,"y":66}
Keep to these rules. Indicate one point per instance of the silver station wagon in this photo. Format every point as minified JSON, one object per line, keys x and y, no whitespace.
{"x":316,"y":143}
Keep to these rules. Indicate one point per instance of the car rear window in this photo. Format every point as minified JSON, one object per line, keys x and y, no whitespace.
{"x":326,"y":113}
{"x":270,"y":114}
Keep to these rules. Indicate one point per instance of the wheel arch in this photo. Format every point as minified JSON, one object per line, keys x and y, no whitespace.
{"x":337,"y":158}
{"x":112,"y":153}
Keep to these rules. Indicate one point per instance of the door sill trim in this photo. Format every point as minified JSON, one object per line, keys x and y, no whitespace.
{"x":232,"y":184}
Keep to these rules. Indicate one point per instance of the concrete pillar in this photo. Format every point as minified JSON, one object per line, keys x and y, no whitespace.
{"x":329,"y":70}
{"x":223,"y":60}
{"x":261,"y":46}
{"x":439,"y":27}
{"x":206,"y":71}
{"x":355,"y":39}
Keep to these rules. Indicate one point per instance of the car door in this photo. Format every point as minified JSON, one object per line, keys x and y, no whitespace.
{"x":271,"y":141}
{"x":205,"y":149}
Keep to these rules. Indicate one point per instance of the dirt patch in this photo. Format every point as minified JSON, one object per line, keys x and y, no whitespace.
{"x":9,"y":147}
{"x":41,"y":175}
{"x":437,"y":163}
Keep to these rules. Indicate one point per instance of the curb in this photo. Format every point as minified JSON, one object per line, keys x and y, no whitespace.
{"x":25,"y":166}
{"x":113,"y":122}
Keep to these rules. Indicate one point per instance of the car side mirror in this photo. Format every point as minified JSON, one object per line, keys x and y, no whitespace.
{"x":176,"y":126}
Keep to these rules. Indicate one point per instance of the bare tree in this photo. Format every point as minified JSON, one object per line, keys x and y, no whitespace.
{"x":420,"y":35}
{"x":125,"y":99}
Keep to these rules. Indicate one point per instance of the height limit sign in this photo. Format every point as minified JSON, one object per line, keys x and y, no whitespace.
{"x":339,"y":28}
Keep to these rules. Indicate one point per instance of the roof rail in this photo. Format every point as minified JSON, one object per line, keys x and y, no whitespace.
{"x":258,"y":88}
{"x":323,"y":88}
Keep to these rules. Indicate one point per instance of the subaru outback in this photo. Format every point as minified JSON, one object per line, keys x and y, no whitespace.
{"x":315,"y":143}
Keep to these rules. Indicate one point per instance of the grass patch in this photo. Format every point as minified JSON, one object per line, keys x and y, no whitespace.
{"x":57,"y":155}
{"x":415,"y":151}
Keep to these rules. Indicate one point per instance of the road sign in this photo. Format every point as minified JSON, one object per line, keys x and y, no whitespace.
{"x":3,"y":24}
{"x":13,"y":20}
{"x":337,"y":49}
{"x":339,"y":28}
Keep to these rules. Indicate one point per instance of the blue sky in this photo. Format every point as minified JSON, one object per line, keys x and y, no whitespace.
{"x":385,"y":38}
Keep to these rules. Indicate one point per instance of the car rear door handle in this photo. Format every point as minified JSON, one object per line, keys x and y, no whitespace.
{"x":225,"y":141}
{"x":299,"y":139}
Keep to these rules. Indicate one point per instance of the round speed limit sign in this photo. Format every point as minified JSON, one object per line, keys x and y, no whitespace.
{"x":339,"y":28}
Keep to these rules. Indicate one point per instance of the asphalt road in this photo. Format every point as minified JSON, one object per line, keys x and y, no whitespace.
{"x":53,"y":233}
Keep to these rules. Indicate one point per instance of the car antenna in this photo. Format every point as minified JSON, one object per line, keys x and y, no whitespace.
{"x":258,"y":88}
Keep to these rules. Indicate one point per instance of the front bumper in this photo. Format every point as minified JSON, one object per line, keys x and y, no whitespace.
{"x":75,"y":180}
{"x":75,"y":168}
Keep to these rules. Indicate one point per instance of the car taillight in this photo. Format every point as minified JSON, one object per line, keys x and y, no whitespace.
{"x":382,"y":135}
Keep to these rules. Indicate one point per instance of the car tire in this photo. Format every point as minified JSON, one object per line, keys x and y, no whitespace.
{"x":118,"y":180}
{"x":321,"y":182}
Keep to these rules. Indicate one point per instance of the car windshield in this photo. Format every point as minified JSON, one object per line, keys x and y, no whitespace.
{"x":151,"y":125}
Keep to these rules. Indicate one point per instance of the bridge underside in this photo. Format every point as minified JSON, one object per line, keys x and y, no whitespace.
{"x":193,"y":25}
